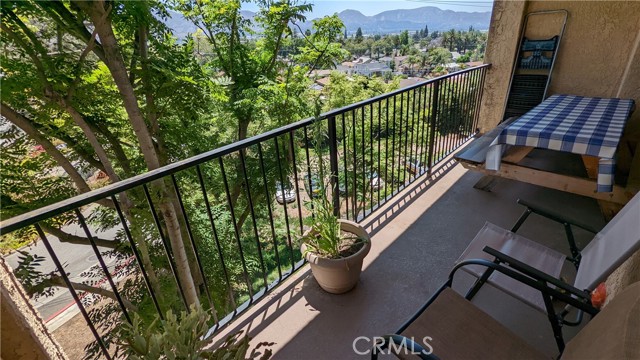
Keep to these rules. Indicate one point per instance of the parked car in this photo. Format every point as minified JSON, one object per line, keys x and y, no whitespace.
{"x":285,"y":192}
{"x":314,"y":182}
{"x":415,"y":166}
{"x":375,"y":181}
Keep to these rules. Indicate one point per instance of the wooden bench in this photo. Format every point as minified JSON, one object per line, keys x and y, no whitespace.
{"x":473,"y":157}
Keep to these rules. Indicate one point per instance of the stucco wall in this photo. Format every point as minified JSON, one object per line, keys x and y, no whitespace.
{"x":22,"y":333}
{"x":597,"y":56}
{"x":504,"y":35}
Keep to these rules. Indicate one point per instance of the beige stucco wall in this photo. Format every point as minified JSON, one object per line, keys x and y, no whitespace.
{"x":502,"y":44}
{"x":598,"y":54}
{"x":23,"y":335}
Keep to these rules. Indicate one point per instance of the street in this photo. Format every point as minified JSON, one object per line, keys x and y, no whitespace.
{"x":76,"y":259}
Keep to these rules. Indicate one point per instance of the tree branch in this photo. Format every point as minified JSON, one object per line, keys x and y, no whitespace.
{"x":61,"y":15}
{"x":79,"y":240}
{"x":27,"y":126}
{"x":84,"y":54}
{"x":59,"y":282}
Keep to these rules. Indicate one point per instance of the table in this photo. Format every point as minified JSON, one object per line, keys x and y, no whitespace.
{"x":580,"y":125}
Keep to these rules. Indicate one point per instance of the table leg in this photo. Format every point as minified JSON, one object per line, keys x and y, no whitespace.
{"x":608,"y":208}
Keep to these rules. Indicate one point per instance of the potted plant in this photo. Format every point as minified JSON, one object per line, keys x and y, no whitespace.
{"x":334,"y":248}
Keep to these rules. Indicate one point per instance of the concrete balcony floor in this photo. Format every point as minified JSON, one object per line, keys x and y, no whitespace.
{"x":415,"y":240}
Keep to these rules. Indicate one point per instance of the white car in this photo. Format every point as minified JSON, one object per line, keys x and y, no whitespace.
{"x":375,"y":181}
{"x":285,"y":193}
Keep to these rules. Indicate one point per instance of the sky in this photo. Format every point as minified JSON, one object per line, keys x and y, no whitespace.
{"x":373,"y":7}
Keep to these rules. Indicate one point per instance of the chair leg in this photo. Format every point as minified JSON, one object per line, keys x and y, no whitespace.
{"x":521,"y":220}
{"x":479,"y":283}
{"x":575,"y":252}
{"x":556,"y":323}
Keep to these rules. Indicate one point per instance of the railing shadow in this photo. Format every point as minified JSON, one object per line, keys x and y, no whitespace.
{"x":303,"y":286}
{"x":389,"y":211}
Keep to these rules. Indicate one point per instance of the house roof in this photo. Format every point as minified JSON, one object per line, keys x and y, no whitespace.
{"x":320,"y":73}
{"x":409,"y":81}
{"x":324,"y":81}
{"x":474,"y":63}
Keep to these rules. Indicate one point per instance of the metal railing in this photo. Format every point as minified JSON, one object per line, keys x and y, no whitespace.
{"x":238,"y":209}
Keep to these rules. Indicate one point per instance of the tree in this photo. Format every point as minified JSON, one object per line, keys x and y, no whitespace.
{"x":450,"y":39}
{"x":322,"y":48}
{"x":404,"y":38}
{"x":359,"y":36}
{"x":63,"y":79}
{"x":426,"y":31}
{"x":439,"y":56}
{"x":416,"y":36}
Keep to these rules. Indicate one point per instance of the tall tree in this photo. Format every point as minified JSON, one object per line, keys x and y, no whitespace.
{"x":359,"y":36}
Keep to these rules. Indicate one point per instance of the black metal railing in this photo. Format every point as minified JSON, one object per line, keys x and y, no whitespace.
{"x":235,"y":212}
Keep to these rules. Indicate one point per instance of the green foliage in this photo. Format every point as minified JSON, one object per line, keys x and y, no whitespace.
{"x":324,"y":238}
{"x":404,"y":38}
{"x":322,"y":49}
{"x":439,"y":56}
{"x":182,"y":339}
{"x":359,"y":36}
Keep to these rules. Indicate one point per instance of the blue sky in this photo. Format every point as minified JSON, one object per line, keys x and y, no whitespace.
{"x":372,"y":7}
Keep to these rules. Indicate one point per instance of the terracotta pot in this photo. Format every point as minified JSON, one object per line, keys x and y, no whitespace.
{"x":338,"y":276}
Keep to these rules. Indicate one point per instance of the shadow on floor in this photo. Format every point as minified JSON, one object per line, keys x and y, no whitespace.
{"x":416,"y":240}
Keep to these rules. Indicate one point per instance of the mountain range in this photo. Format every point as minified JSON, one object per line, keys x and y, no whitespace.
{"x":392,"y":21}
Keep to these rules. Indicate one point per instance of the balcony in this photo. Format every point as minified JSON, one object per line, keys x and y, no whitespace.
{"x":221,"y":228}
{"x":416,"y":239}
{"x":420,"y":221}
{"x":251,"y":276}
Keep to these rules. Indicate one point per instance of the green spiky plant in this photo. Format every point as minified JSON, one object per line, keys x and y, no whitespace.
{"x":325,"y":238}
{"x":183,"y":338}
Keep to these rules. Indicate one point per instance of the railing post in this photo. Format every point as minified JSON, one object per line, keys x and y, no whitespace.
{"x":432,"y":124}
{"x":333,"y":162}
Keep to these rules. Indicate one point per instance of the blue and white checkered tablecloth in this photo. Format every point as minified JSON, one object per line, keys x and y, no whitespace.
{"x":576,"y":124}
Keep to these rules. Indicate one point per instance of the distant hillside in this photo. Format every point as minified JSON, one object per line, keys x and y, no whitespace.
{"x":414,"y":19}
{"x":393,"y":21}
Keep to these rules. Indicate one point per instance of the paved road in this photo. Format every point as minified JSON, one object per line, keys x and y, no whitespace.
{"x":75,"y":258}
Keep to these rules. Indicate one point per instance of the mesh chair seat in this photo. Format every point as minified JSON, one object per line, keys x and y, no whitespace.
{"x":460,"y":330}
{"x":529,"y":252}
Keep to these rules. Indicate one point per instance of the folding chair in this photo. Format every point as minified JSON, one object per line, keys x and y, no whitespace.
{"x":529,"y":271}
{"x":610,"y":247}
{"x":456,"y":329}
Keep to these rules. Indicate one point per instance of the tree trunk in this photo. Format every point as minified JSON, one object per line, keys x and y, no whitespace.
{"x":115,"y":62}
{"x":152,"y":118}
{"x":25,"y":125}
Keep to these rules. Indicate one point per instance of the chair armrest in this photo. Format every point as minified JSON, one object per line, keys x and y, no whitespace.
{"x":398,"y":344}
{"x":556,"y":216}
{"x":535,"y":273}
{"x":580,"y":299}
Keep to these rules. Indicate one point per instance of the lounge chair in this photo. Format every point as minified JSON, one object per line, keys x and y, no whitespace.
{"x":456,"y":329}
{"x":530,"y":272}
